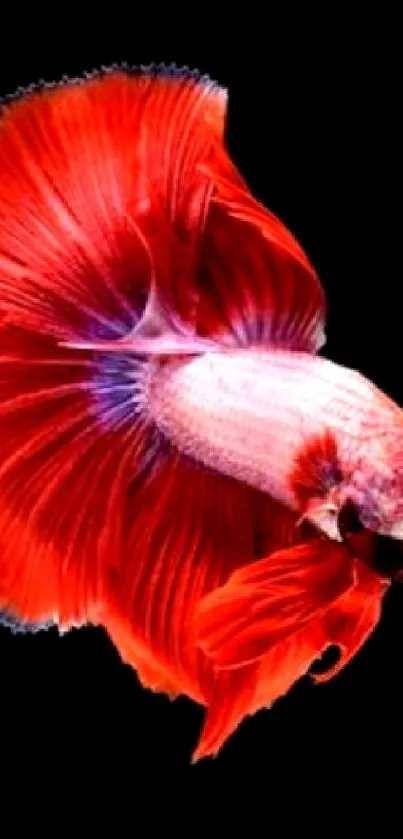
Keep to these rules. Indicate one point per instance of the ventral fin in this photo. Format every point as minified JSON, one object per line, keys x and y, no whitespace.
{"x":268,"y":601}
{"x":324,"y":513}
{"x":352,"y":620}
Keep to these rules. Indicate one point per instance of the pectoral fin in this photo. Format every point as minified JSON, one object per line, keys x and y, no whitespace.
{"x":324,"y":514}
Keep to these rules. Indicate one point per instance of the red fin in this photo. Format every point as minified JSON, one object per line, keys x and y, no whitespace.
{"x":153,"y":672}
{"x":258,"y":285}
{"x":105,"y":191}
{"x":230,"y":701}
{"x":101,"y":209}
{"x":288,"y":661}
{"x":316,"y":480}
{"x":268,"y":601}
{"x":104,"y":194}
{"x":102,"y":200}
{"x":350,"y":622}
{"x":347,"y":614}
{"x":317,"y":468}
{"x":65,"y":469}
{"x":71,"y":445}
{"x":190,"y":529}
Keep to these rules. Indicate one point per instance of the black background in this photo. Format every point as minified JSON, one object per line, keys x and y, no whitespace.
{"x":313,"y":128}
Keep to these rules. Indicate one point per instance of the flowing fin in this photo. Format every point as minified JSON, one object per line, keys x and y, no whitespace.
{"x":346,"y":625}
{"x":265,"y":602}
{"x":345,"y":617}
{"x":72,"y":441}
{"x":229,"y":703}
{"x":258,"y":285}
{"x":180,"y":524}
{"x":316,"y":480}
{"x":102,"y":200}
{"x":286,"y":662}
{"x":102,"y":206}
{"x":114,"y":217}
{"x":352,"y":620}
{"x":257,"y":686}
{"x":151,"y":671}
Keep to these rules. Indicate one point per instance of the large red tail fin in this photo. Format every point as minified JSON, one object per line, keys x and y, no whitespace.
{"x":102,"y":204}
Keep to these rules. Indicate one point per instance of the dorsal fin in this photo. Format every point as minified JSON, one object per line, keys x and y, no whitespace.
{"x":104,"y":175}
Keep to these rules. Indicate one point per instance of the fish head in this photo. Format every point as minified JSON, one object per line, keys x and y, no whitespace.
{"x":376,"y":484}
{"x":352,"y":483}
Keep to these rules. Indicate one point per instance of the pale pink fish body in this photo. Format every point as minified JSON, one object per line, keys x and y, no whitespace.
{"x":249,"y":414}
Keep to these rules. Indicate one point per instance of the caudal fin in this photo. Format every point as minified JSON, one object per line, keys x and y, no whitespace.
{"x":102,"y":204}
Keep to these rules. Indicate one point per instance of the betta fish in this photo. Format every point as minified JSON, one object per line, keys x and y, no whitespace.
{"x":179,"y":463}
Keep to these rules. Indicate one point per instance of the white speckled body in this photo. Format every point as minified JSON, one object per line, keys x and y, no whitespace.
{"x":247,"y":413}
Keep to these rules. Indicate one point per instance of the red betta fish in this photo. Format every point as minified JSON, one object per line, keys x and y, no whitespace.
{"x":175,"y":457}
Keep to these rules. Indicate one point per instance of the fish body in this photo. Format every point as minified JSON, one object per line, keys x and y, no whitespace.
{"x":176,"y":459}
{"x":250,"y":413}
